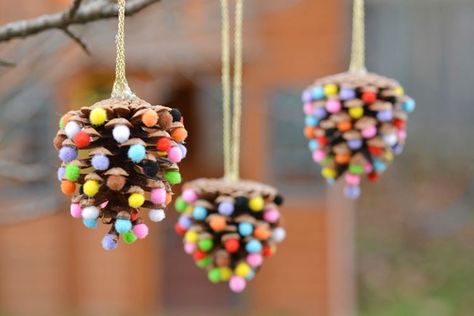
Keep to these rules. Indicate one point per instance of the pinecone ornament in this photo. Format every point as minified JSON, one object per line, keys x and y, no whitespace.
{"x":119,"y":158}
{"x":229,"y":227}
{"x":355,"y":124}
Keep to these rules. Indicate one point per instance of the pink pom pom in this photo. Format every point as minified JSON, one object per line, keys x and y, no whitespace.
{"x":369,"y":132}
{"x":368,"y":168}
{"x":254,"y":260}
{"x":237,"y":284}
{"x":175,"y":154}
{"x":402,"y":134}
{"x":333,"y":106}
{"x":271,"y":215}
{"x":352,"y":179}
{"x":76,"y":210}
{"x":189,"y":195}
{"x":140,"y":230}
{"x":158,"y":196}
{"x":190,"y":248}
{"x":308,"y":108}
{"x":319,"y":155}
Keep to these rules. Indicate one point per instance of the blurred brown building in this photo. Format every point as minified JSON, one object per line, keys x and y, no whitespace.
{"x":51,"y":265}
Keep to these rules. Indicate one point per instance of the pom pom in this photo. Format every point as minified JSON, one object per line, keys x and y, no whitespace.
{"x":116,"y":183}
{"x":254,"y":260}
{"x":135,"y":200}
{"x":67,"y":154}
{"x":76,"y":210}
{"x":122,"y":225}
{"x":100,"y":162}
{"x":163,"y":144}
{"x":90,"y":223}
{"x":253,"y":246}
{"x":129,"y":237}
{"x":121,"y":133}
{"x":204,"y":262}
{"x":184,"y":150}
{"x":241,"y":204}
{"x":91,"y":188}
{"x":409,"y":106}
{"x":150,"y":168}
{"x":218,"y":223}
{"x":136,"y":153}
{"x":176,"y":114}
{"x":98,"y":116}
{"x":140,"y":230}
{"x":179,"y":134}
{"x":157,"y":215}
{"x":109,"y":242}
{"x":173,"y":177}
{"x":60,"y":173}
{"x":242,"y":269}
{"x":175,"y":155}
{"x":165,"y":120}
{"x":72,"y":172}
{"x":279,"y":234}
{"x":68,"y":187}
{"x":158,"y":196}
{"x":226,"y":273}
{"x":214,"y":275}
{"x":199,"y":213}
{"x":185,"y":221}
{"x":82,"y":139}
{"x":150,"y":118}
{"x":71,"y":129}
{"x":206,"y":245}
{"x":189,"y":248}
{"x":232,"y":245}
{"x":191,"y":236}
{"x":180,"y":205}
{"x":352,"y":191}
{"x":226,"y":208}
{"x":278,"y":200}
{"x":90,"y":212}
{"x":271,"y":215}
{"x":245,"y":229}
{"x":256,"y":203}
{"x":189,"y":196}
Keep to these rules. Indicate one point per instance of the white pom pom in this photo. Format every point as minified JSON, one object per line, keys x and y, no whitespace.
{"x":90,"y":212}
{"x":121,"y":133}
{"x":279,"y":234}
{"x":157,"y":215}
{"x":71,"y":129}
{"x":390,"y":139}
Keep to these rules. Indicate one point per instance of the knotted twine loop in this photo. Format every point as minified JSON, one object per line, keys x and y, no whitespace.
{"x":358,"y":38}
{"x":121,"y":88}
{"x":232,"y":123}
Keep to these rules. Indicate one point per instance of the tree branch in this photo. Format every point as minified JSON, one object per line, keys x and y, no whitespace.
{"x":75,"y":14}
{"x":78,"y":40}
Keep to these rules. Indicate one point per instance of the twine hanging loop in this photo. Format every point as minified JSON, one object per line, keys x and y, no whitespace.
{"x":358,"y":38}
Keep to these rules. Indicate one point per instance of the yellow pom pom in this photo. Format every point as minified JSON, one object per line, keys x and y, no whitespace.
{"x":191,"y":236}
{"x":328,"y":173}
{"x":356,"y":112}
{"x":98,"y":116}
{"x":242,"y":269}
{"x":388,"y":155}
{"x":330,"y":89}
{"x":225,"y":273}
{"x":136,"y":200}
{"x":189,"y":210}
{"x":256,"y":204}
{"x":91,"y":188}
{"x":399,"y":91}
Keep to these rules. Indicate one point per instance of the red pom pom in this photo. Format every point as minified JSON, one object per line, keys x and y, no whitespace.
{"x":179,"y":229}
{"x":82,"y":139}
{"x":376,"y":150}
{"x":322,"y":140}
{"x":198,"y":255}
{"x":267,"y":251}
{"x":232,"y":245}
{"x":163,"y":144}
{"x":134,"y":216}
{"x":373,"y":176}
{"x":399,"y":123}
{"x":369,"y":97}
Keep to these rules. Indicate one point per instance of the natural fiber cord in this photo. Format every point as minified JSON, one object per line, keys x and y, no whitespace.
{"x":358,"y":38}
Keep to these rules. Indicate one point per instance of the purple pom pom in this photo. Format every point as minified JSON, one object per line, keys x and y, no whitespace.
{"x":108,"y":242}
{"x":67,"y":154}
{"x":184,"y":150}
{"x":100,"y":162}
{"x":61,"y":172}
{"x":352,"y":191}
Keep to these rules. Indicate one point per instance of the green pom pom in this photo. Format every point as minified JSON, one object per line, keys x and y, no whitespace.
{"x":206,"y":244}
{"x":72,"y":172}
{"x":180,"y":205}
{"x":129,"y":237}
{"x":356,"y":169}
{"x":214,"y":275}
{"x":61,"y":123}
{"x":204,"y":262}
{"x":173,"y":177}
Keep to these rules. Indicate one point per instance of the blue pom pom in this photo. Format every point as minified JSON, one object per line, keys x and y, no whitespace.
{"x":136,"y":153}
{"x":199,"y":213}
{"x":90,"y":223}
{"x":123,"y":225}
{"x":67,"y":154}
{"x":184,"y":150}
{"x":311,"y":120}
{"x":379,"y":165}
{"x":253,"y":246}
{"x":245,"y":229}
{"x":409,"y":106}
{"x":61,"y":171}
{"x":100,"y":162}
{"x":185,"y":221}
{"x":313,"y":145}
{"x":226,"y":208}
{"x":317,"y":93}
{"x":352,"y":192}
{"x":108,"y":242}
{"x":250,"y":275}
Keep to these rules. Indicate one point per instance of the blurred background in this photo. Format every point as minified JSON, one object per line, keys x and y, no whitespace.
{"x":406,"y":247}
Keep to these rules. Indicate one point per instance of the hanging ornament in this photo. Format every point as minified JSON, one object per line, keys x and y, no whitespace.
{"x":119,"y":158}
{"x":355,"y":121}
{"x":229,"y":226}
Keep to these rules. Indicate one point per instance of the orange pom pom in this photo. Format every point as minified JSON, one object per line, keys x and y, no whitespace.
{"x":68,"y":187}
{"x":309,"y":132}
{"x":342,"y":159}
{"x":262,"y":233}
{"x":150,"y":118}
{"x":218,"y":223}
{"x":65,"y":118}
{"x":169,"y":198}
{"x":179,"y":134}
{"x":344,"y":126}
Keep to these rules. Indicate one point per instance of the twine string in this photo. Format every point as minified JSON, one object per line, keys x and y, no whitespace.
{"x":232,"y":119}
{"x":121,"y":88}
{"x":358,"y":38}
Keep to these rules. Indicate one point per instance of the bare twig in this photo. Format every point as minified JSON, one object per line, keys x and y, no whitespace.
{"x":78,"y":40}
{"x":75,"y":14}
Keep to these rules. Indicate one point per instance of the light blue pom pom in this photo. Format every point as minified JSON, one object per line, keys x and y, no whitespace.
{"x":136,"y":153}
{"x":379,"y":166}
{"x":90,"y":223}
{"x":317,"y":93}
{"x":245,"y":229}
{"x":199,"y":213}
{"x":311,"y":120}
{"x":123,"y":225}
{"x":250,"y":276}
{"x":409,"y":106}
{"x":253,"y":246}
{"x":313,"y":145}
